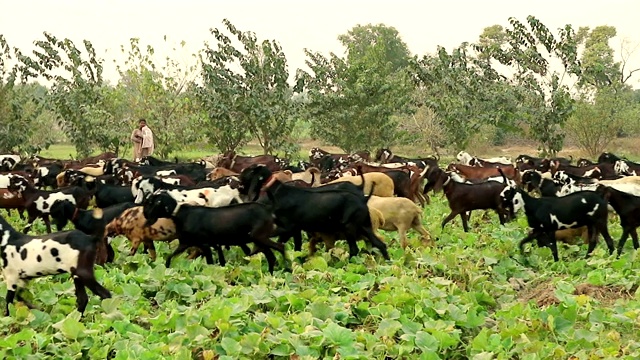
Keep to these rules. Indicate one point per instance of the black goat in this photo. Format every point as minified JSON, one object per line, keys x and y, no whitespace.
{"x":107,"y":195}
{"x":566,"y":178}
{"x":25,"y":257}
{"x":64,"y":211}
{"x":38,"y":203}
{"x":203,"y":227}
{"x":534,"y":180}
{"x":329,"y":211}
{"x":627,"y":206}
{"x":546,"y":215}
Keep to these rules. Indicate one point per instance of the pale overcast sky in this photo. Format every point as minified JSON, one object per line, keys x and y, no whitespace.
{"x":297,"y":24}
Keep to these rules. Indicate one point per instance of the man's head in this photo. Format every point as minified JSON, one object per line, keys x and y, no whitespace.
{"x":142,"y":123}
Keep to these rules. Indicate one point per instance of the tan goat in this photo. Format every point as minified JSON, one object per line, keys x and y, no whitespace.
{"x":383,"y":183}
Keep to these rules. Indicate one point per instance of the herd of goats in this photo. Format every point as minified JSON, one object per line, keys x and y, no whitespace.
{"x":233,"y":200}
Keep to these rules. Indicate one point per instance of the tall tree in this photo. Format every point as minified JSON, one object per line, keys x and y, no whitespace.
{"x":245,"y":90}
{"x":606,"y":106}
{"x":8,"y":139}
{"x":465,"y":93}
{"x":159,"y":93}
{"x":76,"y":74}
{"x":599,"y":68}
{"x":351,"y":101}
{"x":528,"y":53}
{"x":360,"y":39}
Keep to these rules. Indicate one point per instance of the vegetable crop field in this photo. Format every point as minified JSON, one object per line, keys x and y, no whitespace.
{"x":470,"y":296}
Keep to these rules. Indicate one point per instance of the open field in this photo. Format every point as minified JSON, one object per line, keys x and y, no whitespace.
{"x":469,"y":297}
{"x":629,"y":147}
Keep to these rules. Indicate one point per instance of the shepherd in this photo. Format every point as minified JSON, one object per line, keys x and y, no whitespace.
{"x":142,"y":138}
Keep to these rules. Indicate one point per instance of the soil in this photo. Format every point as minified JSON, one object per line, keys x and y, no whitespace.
{"x":544,"y":292}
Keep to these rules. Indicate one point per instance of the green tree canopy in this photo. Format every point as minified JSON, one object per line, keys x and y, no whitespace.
{"x":351,"y":102}
{"x":245,"y":92}
{"x":529,"y":52}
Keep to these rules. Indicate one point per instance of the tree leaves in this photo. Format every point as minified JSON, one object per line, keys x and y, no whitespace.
{"x":245,"y":92}
{"x":351,"y":102}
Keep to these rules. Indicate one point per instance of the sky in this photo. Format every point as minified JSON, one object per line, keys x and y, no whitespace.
{"x":296,"y":25}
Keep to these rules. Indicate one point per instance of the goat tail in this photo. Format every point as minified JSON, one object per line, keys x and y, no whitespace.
{"x":504,"y":178}
{"x":373,"y":185}
{"x":359,"y":170}
{"x":570,"y":158}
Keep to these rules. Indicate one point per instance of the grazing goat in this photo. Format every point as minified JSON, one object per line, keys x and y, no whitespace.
{"x":132,"y":224}
{"x":203,"y":227}
{"x":64,"y":211}
{"x":627,"y":206}
{"x":38,"y":202}
{"x":534,"y":180}
{"x":378,"y":183}
{"x":220,"y":172}
{"x":314,"y":210}
{"x":463,"y":198}
{"x":25,"y":257}
{"x":400,"y":214}
{"x":466,"y":159}
{"x":546,"y":215}
{"x":8,"y":162}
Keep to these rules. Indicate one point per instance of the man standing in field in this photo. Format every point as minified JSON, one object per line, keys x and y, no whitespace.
{"x":147,"y":139}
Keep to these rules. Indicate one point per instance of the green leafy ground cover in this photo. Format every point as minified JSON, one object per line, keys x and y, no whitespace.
{"x":469,"y":297}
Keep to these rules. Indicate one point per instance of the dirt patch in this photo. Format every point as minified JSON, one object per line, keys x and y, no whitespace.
{"x":544,"y":292}
{"x":605,"y":293}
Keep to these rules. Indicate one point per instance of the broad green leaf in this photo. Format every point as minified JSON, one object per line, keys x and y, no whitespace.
{"x":337,"y":335}
{"x":231,"y":346}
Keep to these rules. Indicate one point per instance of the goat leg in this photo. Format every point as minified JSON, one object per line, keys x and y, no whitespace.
{"x":11,"y":294}
{"x":81,"y":295}
{"x":206,"y":251}
{"x":32,"y":218}
{"x":297,"y":241}
{"x":25,"y":302}
{"x":601,"y":227}
{"x":245,"y":248}
{"x":465,"y":220}
{"x":47,"y":222}
{"x":449,"y":218}
{"x":179,"y":250}
{"x":529,"y":238}
{"x":634,"y":237}
{"x":623,"y":239}
{"x":554,"y":246}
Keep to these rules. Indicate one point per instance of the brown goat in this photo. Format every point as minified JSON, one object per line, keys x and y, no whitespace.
{"x":131,"y":224}
{"x":473,"y":172}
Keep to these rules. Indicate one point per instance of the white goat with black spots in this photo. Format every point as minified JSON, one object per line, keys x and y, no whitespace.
{"x":546,"y":215}
{"x":23,"y":257}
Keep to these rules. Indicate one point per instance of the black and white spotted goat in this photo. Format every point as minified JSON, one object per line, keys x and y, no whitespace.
{"x":546,"y":215}
{"x":24,"y":257}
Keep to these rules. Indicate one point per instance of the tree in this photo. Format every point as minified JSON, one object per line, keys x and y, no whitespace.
{"x":595,"y":124}
{"x":465,"y":93}
{"x":528,"y":53}
{"x":160,"y":95}
{"x":598,"y":66}
{"x":77,"y":80}
{"x":245,"y":90}
{"x":25,"y":120}
{"x":352,"y":101}
{"x":361,"y":38}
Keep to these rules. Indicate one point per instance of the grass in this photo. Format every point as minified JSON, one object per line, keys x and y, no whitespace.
{"x":470,"y":296}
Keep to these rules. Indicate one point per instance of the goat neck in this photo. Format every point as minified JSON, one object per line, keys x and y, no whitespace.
{"x":6,"y":232}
